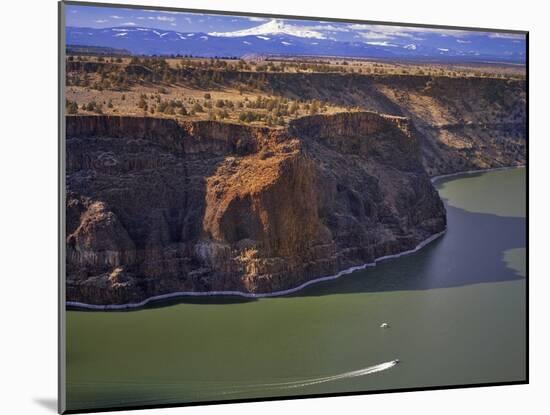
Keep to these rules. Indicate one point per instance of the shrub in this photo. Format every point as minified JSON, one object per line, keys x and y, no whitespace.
{"x":142,"y":103}
{"x":94,"y":107}
{"x":72,"y":107}
{"x":163,"y":105}
{"x":249,"y":116}
{"x":314,"y":108}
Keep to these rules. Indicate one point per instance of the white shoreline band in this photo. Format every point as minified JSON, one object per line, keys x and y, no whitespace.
{"x":346,"y":271}
{"x":466,"y":173}
{"x":282,"y":292}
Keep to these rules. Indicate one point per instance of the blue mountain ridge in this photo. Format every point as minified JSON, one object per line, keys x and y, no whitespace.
{"x":432,"y":46}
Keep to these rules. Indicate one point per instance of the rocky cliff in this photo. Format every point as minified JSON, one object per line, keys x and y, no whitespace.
{"x":155,"y":206}
{"x":465,"y":123}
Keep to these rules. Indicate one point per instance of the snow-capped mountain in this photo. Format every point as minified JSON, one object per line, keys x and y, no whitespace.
{"x":277,"y":37}
{"x":273,"y":27}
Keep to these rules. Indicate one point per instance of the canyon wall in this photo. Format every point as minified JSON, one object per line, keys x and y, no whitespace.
{"x":464,"y":123}
{"x":155,"y":206}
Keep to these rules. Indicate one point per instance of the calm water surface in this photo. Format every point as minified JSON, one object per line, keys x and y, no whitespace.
{"x":456,"y":311}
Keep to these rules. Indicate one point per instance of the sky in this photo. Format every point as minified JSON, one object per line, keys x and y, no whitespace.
{"x":411,"y":38}
{"x":102,"y":17}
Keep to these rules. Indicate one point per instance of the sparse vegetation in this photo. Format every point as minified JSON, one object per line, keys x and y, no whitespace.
{"x":71,"y":107}
{"x":197,"y":108}
{"x":235,"y":90}
{"x":94,"y":107}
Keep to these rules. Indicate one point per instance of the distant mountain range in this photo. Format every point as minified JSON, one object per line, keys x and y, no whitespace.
{"x":278,"y":38}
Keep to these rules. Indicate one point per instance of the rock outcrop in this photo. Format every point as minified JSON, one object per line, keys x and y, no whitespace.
{"x":465,"y":123}
{"x":155,"y":206}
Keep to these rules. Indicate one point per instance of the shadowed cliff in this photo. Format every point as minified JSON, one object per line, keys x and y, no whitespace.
{"x":156,"y":206}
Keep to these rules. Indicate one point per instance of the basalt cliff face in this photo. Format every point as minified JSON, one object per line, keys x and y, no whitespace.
{"x":464,"y":123}
{"x":155,"y":206}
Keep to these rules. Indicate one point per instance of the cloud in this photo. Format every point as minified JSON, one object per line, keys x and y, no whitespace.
{"x":381,"y":32}
{"x":381,"y":44}
{"x":329,"y":27}
{"x":163,"y":11}
{"x":374,"y":32}
{"x":116,"y":17}
{"x":101,"y":21}
{"x":518,"y":36}
{"x":357,"y":26}
{"x":463,"y":41}
{"x":129,"y":24}
{"x":375,"y":35}
{"x":387,"y":36}
{"x":255,"y":19}
{"x":166,"y":18}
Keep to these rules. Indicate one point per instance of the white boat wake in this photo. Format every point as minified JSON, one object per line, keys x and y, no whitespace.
{"x":215,"y":389}
{"x":315,"y":381}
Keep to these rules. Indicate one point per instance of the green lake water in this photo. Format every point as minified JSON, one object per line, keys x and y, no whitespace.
{"x":456,"y":311}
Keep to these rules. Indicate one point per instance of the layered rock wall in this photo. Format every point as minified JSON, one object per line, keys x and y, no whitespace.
{"x":155,"y":206}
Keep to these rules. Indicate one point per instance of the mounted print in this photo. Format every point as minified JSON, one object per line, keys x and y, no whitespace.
{"x":260,"y":207}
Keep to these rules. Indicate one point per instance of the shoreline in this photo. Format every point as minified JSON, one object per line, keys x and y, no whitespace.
{"x":128,"y":306}
{"x":468,"y":172}
{"x":105,"y":307}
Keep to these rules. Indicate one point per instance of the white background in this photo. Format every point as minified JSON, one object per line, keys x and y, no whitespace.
{"x":28,"y":204}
